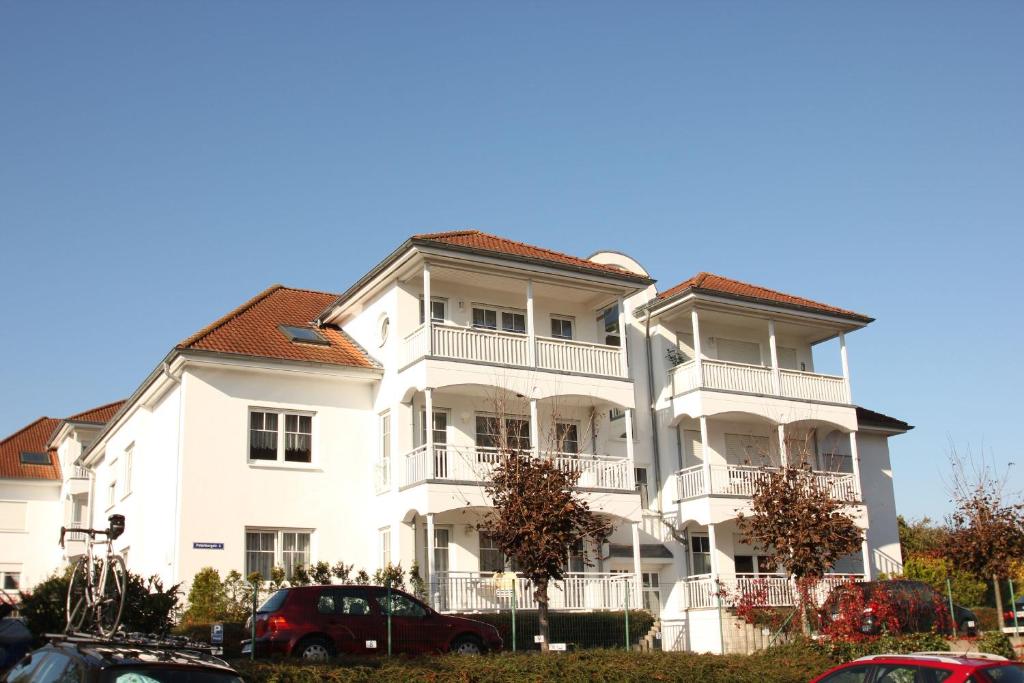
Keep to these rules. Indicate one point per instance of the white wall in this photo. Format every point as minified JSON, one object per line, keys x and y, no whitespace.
{"x":32,"y":549}
{"x":876,"y":481}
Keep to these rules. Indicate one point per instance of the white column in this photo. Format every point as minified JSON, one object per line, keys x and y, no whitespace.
{"x":534,"y":429}
{"x":697,"y":354}
{"x":713,"y":543}
{"x":783,"y":460}
{"x":432,"y":582}
{"x":622,"y":337}
{"x":855,"y":458}
{"x":866,"y":552}
{"x":776,"y":379}
{"x":629,"y":446}
{"x":637,"y":568}
{"x":428,"y":430}
{"x":426,"y":309}
{"x":706,"y":453}
{"x":846,"y":366}
{"x":531,"y":330}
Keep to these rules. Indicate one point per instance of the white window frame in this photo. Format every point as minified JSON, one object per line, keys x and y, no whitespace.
{"x":557,"y":317}
{"x":704,"y":535}
{"x":279,"y":533}
{"x":753,"y":342}
{"x":384,"y":538}
{"x":282,"y":415}
{"x":129,"y":455}
{"x":498,"y":311}
{"x":434,"y":300}
{"x":4,"y":573}
{"x":111,"y":493}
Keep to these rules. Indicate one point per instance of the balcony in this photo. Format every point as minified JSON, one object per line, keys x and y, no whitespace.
{"x":757,"y":379}
{"x":455,"y":342}
{"x":79,"y":479}
{"x":766,"y":590}
{"x":472,"y":465}
{"x":480,"y":591}
{"x":741,"y":481}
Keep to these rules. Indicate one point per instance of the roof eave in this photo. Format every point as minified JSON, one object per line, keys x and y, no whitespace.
{"x":659,"y":306}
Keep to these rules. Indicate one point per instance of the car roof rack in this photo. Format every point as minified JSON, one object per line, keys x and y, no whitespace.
{"x":135,"y":641}
{"x":938,"y":656}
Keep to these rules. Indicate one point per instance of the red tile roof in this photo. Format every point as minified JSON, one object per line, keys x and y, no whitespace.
{"x":100,"y":414}
{"x":709,"y":283}
{"x":252,"y":330}
{"x":481,"y":241}
{"x":31,"y":438}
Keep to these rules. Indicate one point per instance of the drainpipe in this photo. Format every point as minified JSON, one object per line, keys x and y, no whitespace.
{"x":656,"y":452}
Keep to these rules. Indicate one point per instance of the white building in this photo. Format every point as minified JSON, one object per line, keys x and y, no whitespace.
{"x":306,"y":426}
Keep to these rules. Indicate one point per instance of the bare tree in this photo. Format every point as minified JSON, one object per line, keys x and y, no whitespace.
{"x":537,"y":516}
{"x":799,"y":521}
{"x":986,"y":528}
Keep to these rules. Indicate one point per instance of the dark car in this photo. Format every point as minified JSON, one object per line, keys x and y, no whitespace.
{"x":317,"y":622}
{"x":918,"y":607}
{"x":85,"y":661}
{"x":1017,"y":609}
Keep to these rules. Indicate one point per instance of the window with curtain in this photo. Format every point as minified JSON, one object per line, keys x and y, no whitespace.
{"x":608,"y":325}
{"x":700,"y":549}
{"x":280,"y":435}
{"x":262,"y":435}
{"x":259,"y":552}
{"x":298,"y":438}
{"x":561,"y":328}
{"x":513,"y":322}
{"x":567,"y":438}
{"x":493,"y":432}
{"x":485,"y":318}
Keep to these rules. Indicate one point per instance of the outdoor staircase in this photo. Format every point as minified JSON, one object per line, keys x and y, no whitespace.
{"x":651,"y":640}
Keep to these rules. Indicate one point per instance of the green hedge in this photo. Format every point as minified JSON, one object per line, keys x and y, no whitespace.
{"x":578,"y":630}
{"x":786,"y":665}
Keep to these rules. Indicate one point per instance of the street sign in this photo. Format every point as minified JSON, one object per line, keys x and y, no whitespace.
{"x":538,"y":639}
{"x":206,"y":545}
{"x":216,"y":634}
{"x":371,"y":645}
{"x":557,"y":647}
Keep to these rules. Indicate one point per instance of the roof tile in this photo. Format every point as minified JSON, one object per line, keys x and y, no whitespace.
{"x":252,"y":330}
{"x":31,"y":438}
{"x":718,"y":284}
{"x":100,"y":414}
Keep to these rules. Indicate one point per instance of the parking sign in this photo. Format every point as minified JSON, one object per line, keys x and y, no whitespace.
{"x":216,"y":634}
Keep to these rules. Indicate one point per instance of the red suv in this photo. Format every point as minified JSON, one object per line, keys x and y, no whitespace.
{"x":926,"y":667}
{"x":316,"y":622}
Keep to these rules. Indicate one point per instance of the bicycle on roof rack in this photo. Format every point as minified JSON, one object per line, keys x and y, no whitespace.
{"x":97,"y":587}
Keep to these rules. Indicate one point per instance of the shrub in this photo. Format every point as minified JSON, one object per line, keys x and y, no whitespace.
{"x":996,"y":643}
{"x":207,"y":598}
{"x":148,"y":606}
{"x":579,"y":630}
{"x":847,"y":650}
{"x":988,"y":619}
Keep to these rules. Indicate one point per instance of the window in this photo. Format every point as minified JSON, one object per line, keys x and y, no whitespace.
{"x":561,"y":328}
{"x":492,"y":432}
{"x":898,"y":673}
{"x":744,"y":564}
{"x":385,"y":435}
{"x":700,"y":551}
{"x":269,"y":548}
{"x":349,"y":601}
{"x":401,"y":606}
{"x":385,"y":546}
{"x":267,"y":443}
{"x":32,"y":458}
{"x":485,"y":318}
{"x":747,"y":449}
{"x":693,"y":449}
{"x":1014,"y":673}
{"x":640,"y":476}
{"x":129,"y":455}
{"x":608,"y":324}
{"x":12,"y":515}
{"x":303,"y":335}
{"x":10,"y":580}
{"x":856,"y":674}
{"x":111,"y":494}
{"x":438,"y":309}
{"x":513,"y":322}
{"x":736,"y":351}
{"x":383,"y":329}
{"x":491,"y":557}
{"x":567,"y":439}
{"x":786,"y":357}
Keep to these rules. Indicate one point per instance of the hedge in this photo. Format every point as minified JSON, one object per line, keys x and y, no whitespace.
{"x":783,"y":665}
{"x":578,"y":630}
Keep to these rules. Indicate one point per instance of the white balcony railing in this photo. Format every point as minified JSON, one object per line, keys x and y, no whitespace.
{"x":742,"y":480}
{"x":757,"y":379}
{"x":762,"y":590}
{"x":75,"y":472}
{"x":510,"y":348}
{"x":473,"y":465}
{"x":481,"y":591}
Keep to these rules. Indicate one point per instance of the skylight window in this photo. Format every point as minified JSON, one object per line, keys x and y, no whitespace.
{"x":303,"y":335}
{"x":30,"y":458}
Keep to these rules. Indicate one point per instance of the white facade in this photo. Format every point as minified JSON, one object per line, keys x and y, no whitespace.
{"x":29,"y":514}
{"x":572,"y":359}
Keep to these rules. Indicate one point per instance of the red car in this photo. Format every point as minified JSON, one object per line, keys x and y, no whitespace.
{"x":926,"y":667}
{"x":317,"y":622}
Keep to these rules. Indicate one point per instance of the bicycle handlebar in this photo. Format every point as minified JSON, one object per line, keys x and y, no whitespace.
{"x":92,"y":532}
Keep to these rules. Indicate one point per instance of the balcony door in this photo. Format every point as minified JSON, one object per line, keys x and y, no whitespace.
{"x":439,"y":425}
{"x":736,"y":351}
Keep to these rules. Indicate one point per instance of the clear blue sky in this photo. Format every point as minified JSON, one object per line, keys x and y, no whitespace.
{"x":162,"y":162}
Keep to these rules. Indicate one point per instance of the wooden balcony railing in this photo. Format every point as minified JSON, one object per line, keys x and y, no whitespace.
{"x":757,"y":379}
{"x":741,"y":480}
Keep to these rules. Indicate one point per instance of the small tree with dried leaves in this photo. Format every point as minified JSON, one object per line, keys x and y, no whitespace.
{"x":537,"y":517}
{"x":805,"y":528}
{"x":986,"y":530}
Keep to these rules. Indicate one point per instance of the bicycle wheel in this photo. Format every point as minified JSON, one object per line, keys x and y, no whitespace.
{"x":113,"y":584}
{"x":78,"y":599}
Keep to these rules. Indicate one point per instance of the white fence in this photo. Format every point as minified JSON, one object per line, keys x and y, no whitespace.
{"x":480,"y":592}
{"x":762,"y":590}
{"x":511,"y":348}
{"x":741,"y":480}
{"x":471,"y":464}
{"x":757,"y":379}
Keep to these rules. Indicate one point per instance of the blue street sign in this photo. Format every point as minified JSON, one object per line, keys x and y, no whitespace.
{"x":199,"y":545}
{"x":216,"y":634}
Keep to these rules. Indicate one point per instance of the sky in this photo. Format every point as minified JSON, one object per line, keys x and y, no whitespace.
{"x":162,"y":162}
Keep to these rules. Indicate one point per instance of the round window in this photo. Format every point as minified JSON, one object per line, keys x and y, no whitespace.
{"x":385,"y":325}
